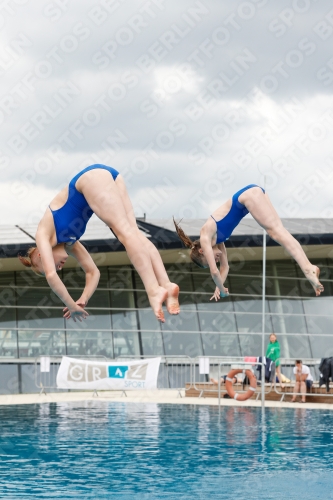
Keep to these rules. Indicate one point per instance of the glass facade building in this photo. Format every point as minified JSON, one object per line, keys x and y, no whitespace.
{"x":121,"y":322}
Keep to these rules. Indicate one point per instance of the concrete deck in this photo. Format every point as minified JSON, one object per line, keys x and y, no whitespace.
{"x":158,"y":396}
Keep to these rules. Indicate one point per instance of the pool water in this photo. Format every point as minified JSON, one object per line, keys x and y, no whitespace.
{"x":151,"y":451}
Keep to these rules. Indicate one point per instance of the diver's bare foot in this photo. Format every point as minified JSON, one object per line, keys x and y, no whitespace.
{"x":312,"y":275}
{"x":214,"y":381}
{"x":156,"y":302}
{"x":172,"y":299}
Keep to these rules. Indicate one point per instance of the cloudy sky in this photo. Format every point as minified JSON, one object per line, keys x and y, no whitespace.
{"x":187,"y":99}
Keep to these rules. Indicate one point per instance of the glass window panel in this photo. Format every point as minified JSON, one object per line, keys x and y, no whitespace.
{"x":298,"y":346}
{"x":142,"y":300}
{"x":326,"y":270}
{"x":288,"y":324}
{"x":284,"y":287}
{"x":152,"y":343}
{"x":252,"y":323}
{"x":74,"y":278}
{"x":182,"y":278}
{"x":39,"y":343}
{"x":270,"y":286}
{"x":245,"y":284}
{"x":321,"y":346}
{"x":7,"y":296}
{"x":40,"y":318}
{"x":318,"y":262}
{"x":7,"y":317}
{"x":286,"y":306}
{"x":89,"y":343}
{"x":8,"y":343}
{"x":328,"y":285}
{"x":100,"y":298}
{"x":124,"y":298}
{"x":43,"y":297}
{"x":203,"y":284}
{"x":319,"y":305}
{"x":215,"y":306}
{"x":124,"y":320}
{"x":188,"y":344}
{"x":7,"y":279}
{"x":120,"y":278}
{"x":250,"y":345}
{"x":305,"y":288}
{"x":252,"y":285}
{"x":242,"y":304}
{"x":217,"y":322}
{"x":220,"y":345}
{"x":148,"y":320}
{"x":9,"y":383}
{"x":319,"y":324}
{"x":126,"y":344}
{"x":202,"y":280}
{"x":187,"y":299}
{"x":96,"y":319}
{"x":187,"y":320}
{"x":253,"y":267}
{"x":138,"y":282}
{"x":104,"y":277}
{"x":28,"y":279}
{"x":326,"y":277}
{"x":282,"y":268}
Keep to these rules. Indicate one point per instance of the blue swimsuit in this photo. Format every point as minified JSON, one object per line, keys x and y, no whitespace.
{"x":225,"y":226}
{"x":71,"y":219}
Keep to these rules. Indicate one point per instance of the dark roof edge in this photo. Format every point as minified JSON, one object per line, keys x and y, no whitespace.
{"x":167,"y":240}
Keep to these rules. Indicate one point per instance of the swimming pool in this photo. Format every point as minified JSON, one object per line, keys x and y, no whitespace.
{"x":146,"y":451}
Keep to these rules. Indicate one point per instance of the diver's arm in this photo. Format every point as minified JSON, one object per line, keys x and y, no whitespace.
{"x":57,"y":286}
{"x":79,"y":252}
{"x":224,"y":266}
{"x":224,"y":270}
{"x":206,"y":245}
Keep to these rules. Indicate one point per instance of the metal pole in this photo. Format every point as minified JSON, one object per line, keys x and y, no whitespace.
{"x":263,"y":352}
{"x":219,"y":387}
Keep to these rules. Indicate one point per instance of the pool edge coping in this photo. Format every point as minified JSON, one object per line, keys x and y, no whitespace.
{"x":159,"y":396}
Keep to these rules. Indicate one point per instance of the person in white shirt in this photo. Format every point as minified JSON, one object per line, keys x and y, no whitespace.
{"x":304,"y":380}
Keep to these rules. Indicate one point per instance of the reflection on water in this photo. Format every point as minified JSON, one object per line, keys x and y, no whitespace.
{"x":101,"y":449}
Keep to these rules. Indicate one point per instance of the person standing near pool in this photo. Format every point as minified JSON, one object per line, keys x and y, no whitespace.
{"x":101,"y":190}
{"x":210,"y":249}
{"x":273,"y":352}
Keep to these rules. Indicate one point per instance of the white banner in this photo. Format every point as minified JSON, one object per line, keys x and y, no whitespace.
{"x":108,"y":375}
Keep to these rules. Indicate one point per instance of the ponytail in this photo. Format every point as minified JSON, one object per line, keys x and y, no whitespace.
{"x":27,"y":260}
{"x":184,"y":238}
{"x":195,"y":246}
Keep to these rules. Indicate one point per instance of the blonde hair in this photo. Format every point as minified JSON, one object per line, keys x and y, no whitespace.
{"x":27,"y":260}
{"x":195,"y":246}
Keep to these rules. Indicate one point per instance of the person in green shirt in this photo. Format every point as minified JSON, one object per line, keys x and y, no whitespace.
{"x":273,"y":353}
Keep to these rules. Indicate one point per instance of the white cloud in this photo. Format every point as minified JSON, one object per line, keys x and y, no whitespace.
{"x":189,"y":93}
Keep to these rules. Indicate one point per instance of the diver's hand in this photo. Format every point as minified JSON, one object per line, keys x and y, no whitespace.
{"x":219,"y":293}
{"x":76,"y":311}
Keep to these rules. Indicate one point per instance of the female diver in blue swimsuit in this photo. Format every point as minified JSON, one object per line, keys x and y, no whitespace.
{"x":101,"y":190}
{"x":210,"y":249}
